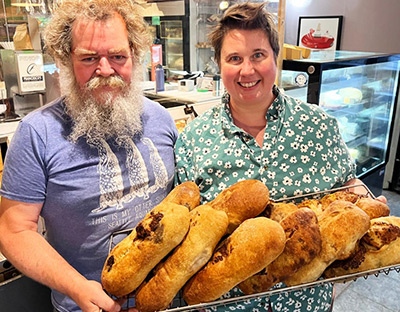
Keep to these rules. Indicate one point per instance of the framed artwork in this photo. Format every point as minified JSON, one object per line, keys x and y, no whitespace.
{"x":320,"y":32}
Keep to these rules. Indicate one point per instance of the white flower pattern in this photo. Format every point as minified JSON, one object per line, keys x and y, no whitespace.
{"x":302,"y":152}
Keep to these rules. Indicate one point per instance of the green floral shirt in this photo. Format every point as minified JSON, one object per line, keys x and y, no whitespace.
{"x":302,"y":152}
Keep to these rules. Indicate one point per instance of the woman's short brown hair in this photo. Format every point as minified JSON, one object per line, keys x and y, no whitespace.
{"x":247,"y":16}
{"x":58,"y":32}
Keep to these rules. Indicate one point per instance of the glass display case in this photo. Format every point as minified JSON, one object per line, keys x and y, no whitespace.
{"x":360,"y":90}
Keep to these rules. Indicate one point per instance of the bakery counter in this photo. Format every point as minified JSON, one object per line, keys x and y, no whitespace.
{"x":7,"y":130}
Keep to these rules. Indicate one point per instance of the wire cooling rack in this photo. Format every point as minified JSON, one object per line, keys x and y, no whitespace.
{"x":179,"y":303}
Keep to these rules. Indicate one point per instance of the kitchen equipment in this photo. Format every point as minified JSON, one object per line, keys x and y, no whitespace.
{"x":186,"y":85}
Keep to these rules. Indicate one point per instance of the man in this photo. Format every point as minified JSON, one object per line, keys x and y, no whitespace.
{"x":90,"y":163}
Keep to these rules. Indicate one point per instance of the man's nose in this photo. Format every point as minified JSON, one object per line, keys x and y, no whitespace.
{"x":247,"y":68}
{"x":104,"y":67}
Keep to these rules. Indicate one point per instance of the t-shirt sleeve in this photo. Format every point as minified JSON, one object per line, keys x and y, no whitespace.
{"x":24,"y":176}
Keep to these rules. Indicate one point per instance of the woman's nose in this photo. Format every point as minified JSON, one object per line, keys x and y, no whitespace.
{"x":247,"y":68}
{"x":104,"y":67}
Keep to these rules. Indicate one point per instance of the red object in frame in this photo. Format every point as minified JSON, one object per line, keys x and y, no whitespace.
{"x":156,"y":58}
{"x":317,"y":42}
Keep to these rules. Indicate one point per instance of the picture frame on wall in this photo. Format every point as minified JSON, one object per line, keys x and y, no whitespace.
{"x":320,"y":32}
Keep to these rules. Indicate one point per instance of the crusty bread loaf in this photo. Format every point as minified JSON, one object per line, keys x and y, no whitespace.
{"x":303,"y":243}
{"x":342,"y":225}
{"x":128,"y":264}
{"x":249,"y":249}
{"x":379,"y":247}
{"x":242,"y":200}
{"x":339,"y":195}
{"x":313,"y":204}
{"x":207,"y":226}
{"x":374,"y":208}
{"x":186,"y":194}
{"x":279,"y":211}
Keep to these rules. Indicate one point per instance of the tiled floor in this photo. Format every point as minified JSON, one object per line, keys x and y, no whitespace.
{"x":376,"y":293}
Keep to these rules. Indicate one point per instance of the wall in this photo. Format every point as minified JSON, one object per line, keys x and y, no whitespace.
{"x":368,"y":25}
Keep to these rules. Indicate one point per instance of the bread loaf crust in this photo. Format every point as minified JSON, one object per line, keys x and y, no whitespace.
{"x":242,"y":200}
{"x":379,"y":247}
{"x":342,"y":225}
{"x":128,"y":264}
{"x":249,"y":249}
{"x":186,"y":194}
{"x":303,"y":243}
{"x":373,"y":207}
{"x":206,"y":229}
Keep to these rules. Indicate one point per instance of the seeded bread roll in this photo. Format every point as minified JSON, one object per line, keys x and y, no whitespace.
{"x":342,"y":225}
{"x":249,"y":249}
{"x":242,"y":200}
{"x":303,"y":243}
{"x":186,"y":194}
{"x":379,"y":247}
{"x":128,"y":264}
{"x":207,"y":227}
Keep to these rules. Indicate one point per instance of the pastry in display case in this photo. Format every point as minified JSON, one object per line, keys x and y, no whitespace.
{"x":360,"y":90}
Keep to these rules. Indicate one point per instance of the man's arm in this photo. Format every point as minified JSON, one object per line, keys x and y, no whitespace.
{"x":30,"y":253}
{"x":362,"y":190}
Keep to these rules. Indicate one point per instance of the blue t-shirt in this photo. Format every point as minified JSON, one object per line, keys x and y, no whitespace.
{"x":88,"y":192}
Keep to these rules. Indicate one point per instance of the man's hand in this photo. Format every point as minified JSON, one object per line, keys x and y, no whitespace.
{"x":92,"y":298}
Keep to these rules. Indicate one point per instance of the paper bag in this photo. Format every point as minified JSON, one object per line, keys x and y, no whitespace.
{"x":22,"y":40}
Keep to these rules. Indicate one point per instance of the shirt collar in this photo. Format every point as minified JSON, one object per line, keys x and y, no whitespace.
{"x":273,"y":112}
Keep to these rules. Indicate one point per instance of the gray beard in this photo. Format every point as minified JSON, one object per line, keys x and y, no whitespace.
{"x":115,"y":117}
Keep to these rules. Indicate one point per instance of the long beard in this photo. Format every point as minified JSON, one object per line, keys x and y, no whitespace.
{"x":107,"y":115}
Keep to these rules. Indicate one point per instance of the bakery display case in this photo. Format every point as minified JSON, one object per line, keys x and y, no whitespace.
{"x":360,"y":89}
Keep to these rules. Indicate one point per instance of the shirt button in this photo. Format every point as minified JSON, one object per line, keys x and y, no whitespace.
{"x":266,"y":167}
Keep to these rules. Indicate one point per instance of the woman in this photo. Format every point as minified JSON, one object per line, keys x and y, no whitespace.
{"x":257,"y":132}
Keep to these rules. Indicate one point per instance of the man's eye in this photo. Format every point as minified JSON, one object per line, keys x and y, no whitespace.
{"x":88,"y":59}
{"x":258,"y":55}
{"x":118,"y":58}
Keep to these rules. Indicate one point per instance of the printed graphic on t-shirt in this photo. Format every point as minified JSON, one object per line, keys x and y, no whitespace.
{"x":111,"y":182}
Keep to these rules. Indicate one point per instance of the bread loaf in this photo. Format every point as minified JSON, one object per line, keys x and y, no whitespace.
{"x":303,"y":243}
{"x":207,"y":226}
{"x":342,"y":225}
{"x":339,"y":195}
{"x":379,"y":247}
{"x":279,"y":211}
{"x":186,"y":194}
{"x":128,"y":264}
{"x":249,"y":249}
{"x":243,"y":200}
{"x":374,"y":208}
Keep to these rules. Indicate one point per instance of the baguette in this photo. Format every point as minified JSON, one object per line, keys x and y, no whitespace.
{"x":303,"y":243}
{"x":242,"y":200}
{"x":186,"y":194}
{"x":128,"y":264}
{"x":206,"y":229}
{"x":249,"y":249}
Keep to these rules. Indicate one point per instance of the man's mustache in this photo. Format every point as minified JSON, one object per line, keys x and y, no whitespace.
{"x":111,"y":81}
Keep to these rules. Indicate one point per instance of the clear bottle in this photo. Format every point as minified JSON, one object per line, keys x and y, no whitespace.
{"x":216,"y":85}
{"x":159,"y":72}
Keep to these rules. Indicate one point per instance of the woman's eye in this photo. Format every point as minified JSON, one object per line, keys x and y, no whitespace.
{"x":258,"y":55}
{"x":235,"y":59}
